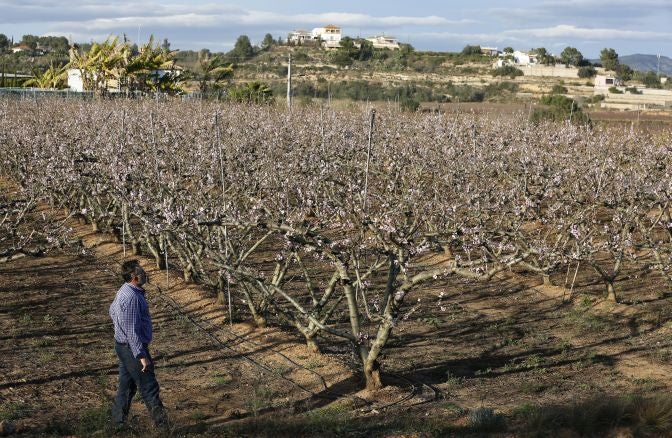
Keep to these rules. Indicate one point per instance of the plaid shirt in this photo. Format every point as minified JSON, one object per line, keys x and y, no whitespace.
{"x":132,"y":324}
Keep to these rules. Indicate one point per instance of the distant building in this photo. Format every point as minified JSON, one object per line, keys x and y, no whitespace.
{"x":516,"y":58}
{"x":330,"y":35}
{"x":490,"y":51}
{"x":20,"y":48}
{"x":300,"y":37}
{"x":522,"y":58}
{"x":384,"y":42}
{"x":606,"y":81}
{"x":75,"y":80}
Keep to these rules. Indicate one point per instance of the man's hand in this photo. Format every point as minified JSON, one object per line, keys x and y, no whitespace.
{"x":145,"y":364}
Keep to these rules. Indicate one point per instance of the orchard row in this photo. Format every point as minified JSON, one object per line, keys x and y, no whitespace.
{"x":329,"y":220}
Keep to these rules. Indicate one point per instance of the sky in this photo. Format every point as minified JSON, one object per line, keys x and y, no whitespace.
{"x":628,"y":26}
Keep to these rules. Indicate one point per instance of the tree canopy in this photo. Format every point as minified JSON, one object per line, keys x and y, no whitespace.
{"x":543,"y":56}
{"x":267,"y":42}
{"x":471,"y":50}
{"x":242,"y":50}
{"x":609,"y":59}
{"x":150,"y":69}
{"x":571,"y":56}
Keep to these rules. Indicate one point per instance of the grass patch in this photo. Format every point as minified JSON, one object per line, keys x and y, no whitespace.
{"x":648,"y":384}
{"x":453,"y":381}
{"x":219,"y":380}
{"x":12,"y":411}
{"x":532,"y":387}
{"x":585,"y":321}
{"x":531,"y":362}
{"x":314,"y":364}
{"x":48,"y":320}
{"x":280,"y":369}
{"x":599,"y":415}
{"x":338,"y":420}
{"x":660,"y":356}
{"x":431,"y":320}
{"x":524,"y":409}
{"x":486,"y":420}
{"x":198,"y":415}
{"x":88,"y":422}
{"x":44,"y":356}
{"x":46,"y":341}
{"x":260,"y":399}
{"x":454,"y":409}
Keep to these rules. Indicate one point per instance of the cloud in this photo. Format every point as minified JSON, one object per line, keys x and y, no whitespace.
{"x":588,"y":13}
{"x":642,"y":5}
{"x":350,"y":19}
{"x":562,"y":31}
{"x":574,"y":32}
{"x":94,"y":14}
{"x":257,"y":18}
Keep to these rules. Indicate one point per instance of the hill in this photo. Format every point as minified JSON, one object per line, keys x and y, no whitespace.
{"x":647,"y":63}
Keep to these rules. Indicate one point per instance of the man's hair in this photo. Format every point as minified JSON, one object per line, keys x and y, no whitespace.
{"x":128,"y":269}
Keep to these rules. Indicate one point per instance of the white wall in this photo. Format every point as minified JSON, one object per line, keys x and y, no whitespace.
{"x":75,"y":81}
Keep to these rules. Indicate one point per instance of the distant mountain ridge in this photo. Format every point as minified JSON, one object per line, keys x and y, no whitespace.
{"x":647,"y":63}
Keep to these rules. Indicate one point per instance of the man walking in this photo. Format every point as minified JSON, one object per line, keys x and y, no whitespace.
{"x":132,"y":334}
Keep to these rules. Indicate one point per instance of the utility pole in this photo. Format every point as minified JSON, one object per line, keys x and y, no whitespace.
{"x":658,"y":71}
{"x":289,"y":83}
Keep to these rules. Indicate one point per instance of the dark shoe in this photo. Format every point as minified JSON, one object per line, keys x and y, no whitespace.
{"x":117,"y":427}
{"x":160,"y":417}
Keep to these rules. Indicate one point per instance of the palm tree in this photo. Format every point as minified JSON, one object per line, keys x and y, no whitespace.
{"x":103,"y":63}
{"x":53,"y":77}
{"x":152,"y":69}
{"x":251,"y":92}
{"x":213,"y":72}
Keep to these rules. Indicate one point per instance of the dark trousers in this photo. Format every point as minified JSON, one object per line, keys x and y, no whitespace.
{"x":131,"y":378}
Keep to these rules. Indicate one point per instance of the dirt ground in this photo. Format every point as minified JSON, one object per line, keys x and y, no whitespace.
{"x":507,"y":345}
{"x":58,"y":368}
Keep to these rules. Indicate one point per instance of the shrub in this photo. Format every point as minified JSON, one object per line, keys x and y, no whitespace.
{"x":587,"y":72}
{"x":500,"y":89}
{"x":559,"y":108}
{"x":597,"y":416}
{"x":252,"y":92}
{"x":651,"y":80}
{"x":507,"y":70}
{"x":615,"y":90}
{"x":471,"y":50}
{"x":486,"y":420}
{"x":558,"y":89}
{"x":595,"y":99}
{"x":465,"y":93}
{"x":633,"y":90}
{"x":409,"y":104}
{"x":342,"y":59}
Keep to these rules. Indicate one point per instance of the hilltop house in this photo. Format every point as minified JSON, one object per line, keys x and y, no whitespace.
{"x":516,"y":58}
{"x":606,"y":81}
{"x":490,"y":51}
{"x":330,"y":35}
{"x":522,"y":58}
{"x":20,"y":48}
{"x":384,"y":42}
{"x":300,"y":37}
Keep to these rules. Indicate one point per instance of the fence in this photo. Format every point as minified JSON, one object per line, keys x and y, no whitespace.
{"x":38,"y":93}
